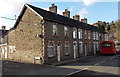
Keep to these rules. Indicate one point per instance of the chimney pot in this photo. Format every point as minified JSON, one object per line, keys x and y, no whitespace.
{"x":53,"y":4}
{"x":53,"y":8}
{"x":66,"y":13}
{"x":76,"y":17}
{"x":84,"y":20}
{"x":3,"y":27}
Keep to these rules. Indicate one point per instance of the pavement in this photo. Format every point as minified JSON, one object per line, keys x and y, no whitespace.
{"x":92,"y":65}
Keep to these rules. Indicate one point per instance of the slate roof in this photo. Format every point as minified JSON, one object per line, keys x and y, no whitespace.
{"x":50,"y":16}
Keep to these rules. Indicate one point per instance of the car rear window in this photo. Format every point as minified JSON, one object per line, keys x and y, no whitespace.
{"x":106,"y":45}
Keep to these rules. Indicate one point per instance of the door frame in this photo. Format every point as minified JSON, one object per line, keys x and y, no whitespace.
{"x":75,"y":49}
{"x":58,"y":52}
{"x":94,"y":47}
{"x":85,"y":49}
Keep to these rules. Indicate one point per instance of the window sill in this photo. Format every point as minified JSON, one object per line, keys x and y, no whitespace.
{"x":50,"y":56}
{"x":66,"y":36}
{"x":55,"y":36}
{"x":66,"y":54}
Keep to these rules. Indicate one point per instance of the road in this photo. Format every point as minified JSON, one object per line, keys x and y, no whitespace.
{"x":105,"y":65}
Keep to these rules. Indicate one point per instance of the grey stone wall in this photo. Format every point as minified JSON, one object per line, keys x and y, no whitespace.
{"x":24,"y":37}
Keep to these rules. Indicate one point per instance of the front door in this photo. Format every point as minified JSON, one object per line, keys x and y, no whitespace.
{"x":85,"y":49}
{"x":5,"y":52}
{"x":75,"y":50}
{"x":94,"y":47}
{"x":58,"y":53}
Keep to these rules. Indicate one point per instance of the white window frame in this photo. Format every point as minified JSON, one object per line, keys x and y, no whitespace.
{"x":80,"y":33}
{"x":96,"y":35}
{"x":51,"y":46}
{"x":66,"y":31}
{"x":85,"y":34}
{"x":89,"y":44}
{"x":54,"y":29}
{"x":67,"y":46}
{"x":74,"y":32}
{"x":93,"y":35}
{"x":89,"y":34}
{"x":97,"y":46}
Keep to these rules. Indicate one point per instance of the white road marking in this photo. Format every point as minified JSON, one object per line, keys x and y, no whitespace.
{"x":102,"y":62}
{"x":97,"y":64}
{"x":113,"y":57}
{"x":77,"y":71}
{"x":87,"y":68}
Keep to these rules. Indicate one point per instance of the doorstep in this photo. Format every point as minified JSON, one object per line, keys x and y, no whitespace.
{"x":70,"y":61}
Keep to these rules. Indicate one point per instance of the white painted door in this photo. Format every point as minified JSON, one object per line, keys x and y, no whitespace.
{"x":58,"y":53}
{"x":75,"y":50}
{"x":85,"y":50}
{"x":5,"y":52}
{"x":94,"y":47}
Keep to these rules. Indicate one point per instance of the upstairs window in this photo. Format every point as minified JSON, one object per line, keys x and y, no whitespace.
{"x":93,"y":35}
{"x":89,"y":35}
{"x":74,"y":32}
{"x":85,"y":34}
{"x":80,"y":33}
{"x":54,"y":30}
{"x":96,"y":35}
{"x":66,"y":31}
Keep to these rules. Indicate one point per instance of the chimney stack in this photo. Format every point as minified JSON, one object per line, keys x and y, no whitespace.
{"x":84,"y":20}
{"x":66,"y":13}
{"x":76,"y":17}
{"x":53,"y":8}
{"x":3,"y":27}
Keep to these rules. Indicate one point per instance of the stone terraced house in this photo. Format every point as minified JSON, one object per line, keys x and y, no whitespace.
{"x":45,"y":37}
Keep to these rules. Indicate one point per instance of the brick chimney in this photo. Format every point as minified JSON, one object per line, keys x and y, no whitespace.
{"x":84,"y":20}
{"x":3,"y":27}
{"x":76,"y":17}
{"x":53,"y":8}
{"x":66,"y":13}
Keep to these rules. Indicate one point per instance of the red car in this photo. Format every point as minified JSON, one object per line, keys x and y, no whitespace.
{"x":107,"y":47}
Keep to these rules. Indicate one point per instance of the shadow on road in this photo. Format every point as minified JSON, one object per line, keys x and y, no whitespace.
{"x":17,"y":69}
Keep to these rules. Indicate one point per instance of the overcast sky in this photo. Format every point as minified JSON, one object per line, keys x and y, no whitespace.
{"x":93,"y":10}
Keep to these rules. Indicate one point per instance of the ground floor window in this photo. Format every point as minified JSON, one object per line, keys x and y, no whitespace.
{"x":97,"y":46}
{"x":90,"y":47}
{"x":80,"y":47}
{"x":66,"y":48}
{"x":51,"y":48}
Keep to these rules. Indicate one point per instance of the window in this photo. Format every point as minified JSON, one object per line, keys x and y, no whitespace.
{"x":96,"y":35}
{"x":89,"y":46}
{"x":97,"y":46}
{"x":74,"y":32}
{"x":106,"y":45}
{"x":0,"y":50}
{"x":54,"y":29}
{"x":80,"y":33}
{"x":106,"y":37}
{"x":102,"y":37}
{"x":80,"y":47}
{"x":51,"y":48}
{"x":89,"y":35}
{"x":85,"y":34}
{"x":66,"y":49}
{"x":66,"y":31}
{"x":93,"y":35}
